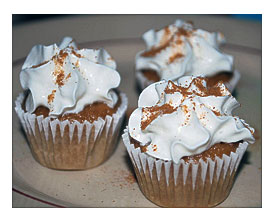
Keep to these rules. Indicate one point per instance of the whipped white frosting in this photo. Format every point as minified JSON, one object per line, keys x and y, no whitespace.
{"x":180,"y":49}
{"x":64,"y":78}
{"x":198,"y":120}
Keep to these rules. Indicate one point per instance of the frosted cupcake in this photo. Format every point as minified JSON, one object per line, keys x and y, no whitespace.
{"x":184,"y":142}
{"x":181,"y":50}
{"x":70,"y":110}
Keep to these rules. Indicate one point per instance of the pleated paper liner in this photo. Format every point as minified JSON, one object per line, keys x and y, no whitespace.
{"x":186,"y":184}
{"x":71,"y":146}
{"x":143,"y":82}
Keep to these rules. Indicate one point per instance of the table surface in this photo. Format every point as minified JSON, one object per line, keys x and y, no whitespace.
{"x":243,"y":38}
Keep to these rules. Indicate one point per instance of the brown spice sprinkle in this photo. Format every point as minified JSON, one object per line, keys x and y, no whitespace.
{"x":90,"y":113}
{"x":59,"y":77}
{"x":175,"y":56}
{"x":173,"y":88}
{"x":164,"y":42}
{"x":216,"y":112}
{"x":167,"y":35}
{"x":68,"y":76}
{"x":59,"y":58}
{"x":130,"y":178}
{"x":206,"y":91}
{"x":216,"y":150}
{"x":185,"y":109}
{"x":153,"y":112}
{"x":184,"y":32}
{"x":77,"y":63}
{"x":155,"y":50}
{"x":179,"y":42}
{"x":59,"y":71}
{"x":76,"y":54}
{"x":167,"y":41}
{"x":51,"y":97}
{"x":137,"y":144}
{"x":35,"y":66}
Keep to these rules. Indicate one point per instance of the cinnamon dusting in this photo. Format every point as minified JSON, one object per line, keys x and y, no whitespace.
{"x":167,"y":40}
{"x":173,"y":88}
{"x":155,"y":50}
{"x":149,"y":114}
{"x":216,"y":112}
{"x":59,"y":71}
{"x":59,"y":59}
{"x":35,"y":66}
{"x":77,"y":63}
{"x":203,"y":91}
{"x":185,"y":109}
{"x":175,"y":56}
{"x":51,"y":97}
{"x":184,"y":32}
{"x":76,"y":54}
{"x":59,"y":77}
{"x":68,"y":76}
{"x":137,"y":144}
{"x":166,"y":36}
{"x":179,"y":41}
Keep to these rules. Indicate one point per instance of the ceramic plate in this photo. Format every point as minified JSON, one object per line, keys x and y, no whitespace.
{"x":113,"y":183}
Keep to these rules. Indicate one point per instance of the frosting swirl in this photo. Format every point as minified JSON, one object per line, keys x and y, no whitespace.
{"x":180,"y":49}
{"x":184,"y":118}
{"x":64,"y":78}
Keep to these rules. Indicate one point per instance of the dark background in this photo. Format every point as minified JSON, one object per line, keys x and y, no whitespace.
{"x":18,"y":19}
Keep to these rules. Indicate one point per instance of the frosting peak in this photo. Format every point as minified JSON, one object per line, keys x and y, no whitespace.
{"x":184,"y":118}
{"x":65,"y":78}
{"x":180,"y":49}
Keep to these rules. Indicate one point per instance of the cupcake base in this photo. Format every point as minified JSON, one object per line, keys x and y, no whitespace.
{"x":166,"y":184}
{"x":143,"y":81}
{"x":71,"y":146}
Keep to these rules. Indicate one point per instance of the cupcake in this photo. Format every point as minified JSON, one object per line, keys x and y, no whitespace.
{"x":185,"y":144}
{"x":70,"y":110}
{"x":181,"y":50}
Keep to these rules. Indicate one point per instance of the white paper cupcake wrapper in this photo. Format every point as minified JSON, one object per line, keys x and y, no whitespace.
{"x":204,"y":184}
{"x":143,"y":82}
{"x":64,"y":145}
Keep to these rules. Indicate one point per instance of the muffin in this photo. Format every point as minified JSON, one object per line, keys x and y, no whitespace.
{"x":185,"y":144}
{"x":70,"y":110}
{"x":181,"y":50}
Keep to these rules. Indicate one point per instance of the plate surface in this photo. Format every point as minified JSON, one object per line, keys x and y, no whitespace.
{"x":113,"y":183}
